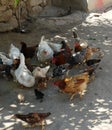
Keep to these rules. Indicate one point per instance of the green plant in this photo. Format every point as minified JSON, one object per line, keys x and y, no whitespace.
{"x":16,"y":2}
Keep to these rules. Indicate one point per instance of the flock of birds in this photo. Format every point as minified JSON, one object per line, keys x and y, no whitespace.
{"x":60,"y":59}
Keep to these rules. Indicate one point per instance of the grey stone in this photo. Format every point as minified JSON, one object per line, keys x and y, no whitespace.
{"x":2,"y":8}
{"x":35,"y":2}
{"x":6,"y":15}
{"x":11,"y":24}
{"x":35,"y":11}
{"x":75,"y":4}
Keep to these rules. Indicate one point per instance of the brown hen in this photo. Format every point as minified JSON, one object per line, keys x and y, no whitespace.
{"x":33,"y":119}
{"x":63,"y":56}
{"x":74,"y":85}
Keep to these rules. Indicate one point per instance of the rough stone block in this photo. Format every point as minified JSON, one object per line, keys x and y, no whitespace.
{"x":6,"y":15}
{"x":11,"y":24}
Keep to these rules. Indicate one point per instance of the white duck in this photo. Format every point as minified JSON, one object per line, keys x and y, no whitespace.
{"x":40,"y":72}
{"x":14,"y":52}
{"x":5,"y":59}
{"x":23,"y":75}
{"x":44,"y":52}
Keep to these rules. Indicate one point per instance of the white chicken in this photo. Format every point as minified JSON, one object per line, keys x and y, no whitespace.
{"x":40,"y":72}
{"x":56,"y":47}
{"x":44,"y":52}
{"x":14,"y":52}
{"x":5,"y":59}
{"x":23,"y":75}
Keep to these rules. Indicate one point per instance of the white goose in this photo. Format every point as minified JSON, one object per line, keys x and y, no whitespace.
{"x":23,"y":75}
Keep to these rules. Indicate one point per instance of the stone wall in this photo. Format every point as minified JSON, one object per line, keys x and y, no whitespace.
{"x":74,"y":4}
{"x":9,"y":15}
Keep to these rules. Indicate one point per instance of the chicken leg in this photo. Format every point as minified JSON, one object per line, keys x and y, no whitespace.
{"x":29,"y":126}
{"x":43,"y":125}
{"x":71,"y":98}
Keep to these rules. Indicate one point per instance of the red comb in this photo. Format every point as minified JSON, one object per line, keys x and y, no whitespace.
{"x":76,"y":44}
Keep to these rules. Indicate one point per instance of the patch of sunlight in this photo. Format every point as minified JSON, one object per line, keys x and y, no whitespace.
{"x":8,"y":124}
{"x":1,"y":108}
{"x":100,"y":100}
{"x":106,"y":121}
{"x":26,"y":103}
{"x":93,"y":111}
{"x":107,"y":43}
{"x":8,"y":117}
{"x":105,"y":104}
{"x":96,"y":104}
{"x":95,"y":32}
{"x":32,"y":105}
{"x":102,"y":126}
{"x":81,"y":120}
{"x":81,"y":109}
{"x":66,"y":129}
{"x":103,"y":109}
{"x":85,"y":24}
{"x":48,"y":121}
{"x":107,"y":51}
{"x":57,"y":36}
{"x":77,"y":127}
{"x":54,"y":118}
{"x":70,"y":119}
{"x":93,"y":121}
{"x":72,"y":124}
{"x":72,"y":105}
{"x":13,"y":105}
{"x":63,"y":116}
{"x":85,"y":116}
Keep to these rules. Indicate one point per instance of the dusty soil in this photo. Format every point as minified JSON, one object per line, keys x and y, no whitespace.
{"x":93,"y":112}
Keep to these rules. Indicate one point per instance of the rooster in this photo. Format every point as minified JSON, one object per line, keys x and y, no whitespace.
{"x":63,"y":56}
{"x":92,"y":62}
{"x":28,"y":52}
{"x":74,"y":85}
{"x":59,"y":70}
{"x":79,"y":43}
{"x":33,"y":119}
{"x":86,"y":55}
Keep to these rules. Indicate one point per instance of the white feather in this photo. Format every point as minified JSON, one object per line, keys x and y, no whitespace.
{"x":55,"y":46}
{"x":5,"y":59}
{"x":14,"y":52}
{"x":23,"y":75}
{"x":40,"y":72}
{"x":83,"y":43}
{"x":43,"y":46}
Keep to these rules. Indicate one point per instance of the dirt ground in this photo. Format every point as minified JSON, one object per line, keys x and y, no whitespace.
{"x":94,"y":111}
